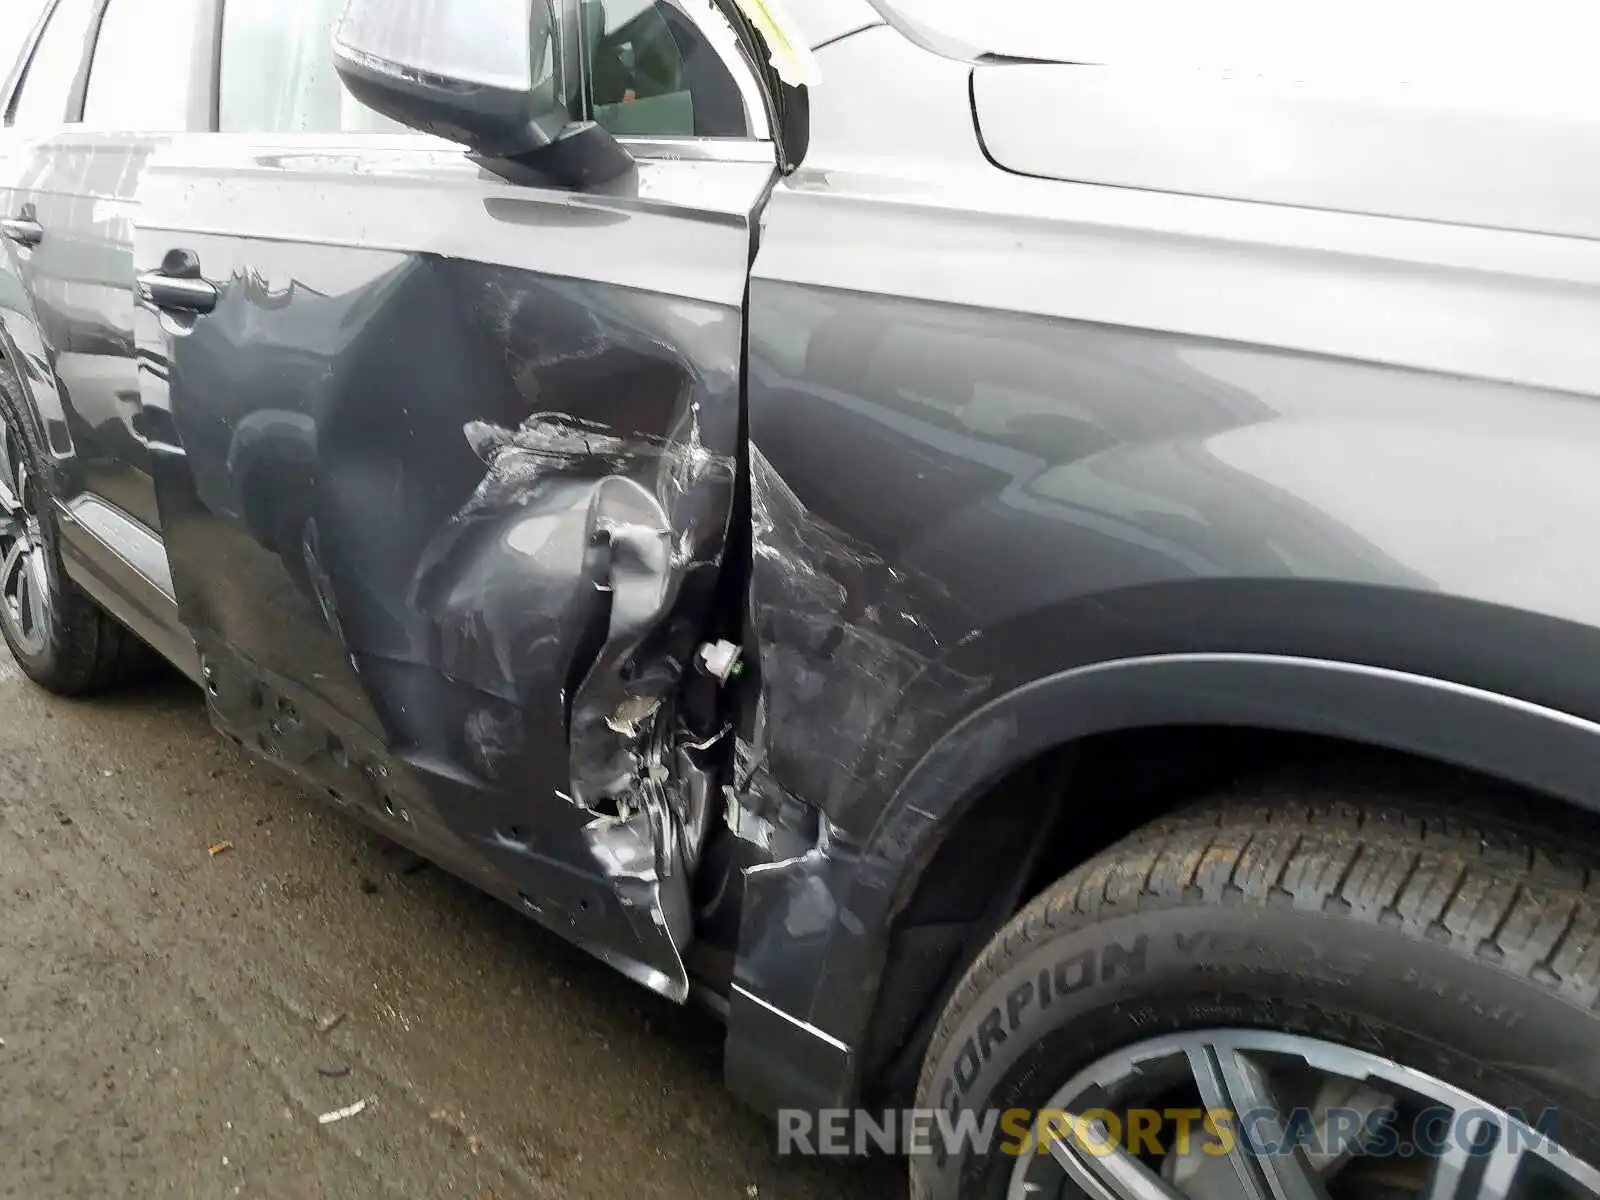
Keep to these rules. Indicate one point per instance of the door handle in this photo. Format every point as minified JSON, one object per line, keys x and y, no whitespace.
{"x":23,"y":230}
{"x":177,"y":293}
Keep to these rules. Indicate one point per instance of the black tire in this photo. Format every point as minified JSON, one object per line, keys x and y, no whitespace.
{"x":84,"y":649}
{"x":1441,"y":928}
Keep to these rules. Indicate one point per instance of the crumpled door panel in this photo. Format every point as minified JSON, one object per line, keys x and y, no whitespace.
{"x":464,"y":523}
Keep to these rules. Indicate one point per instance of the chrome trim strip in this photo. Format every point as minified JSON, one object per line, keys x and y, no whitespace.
{"x":737,"y":150}
{"x":811,"y":1030}
{"x":109,"y":556}
{"x":125,"y":537}
{"x":1360,"y":670}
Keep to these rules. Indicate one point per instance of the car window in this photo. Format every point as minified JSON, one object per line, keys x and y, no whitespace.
{"x":47,"y":86}
{"x":278,"y":74}
{"x":21,"y":17}
{"x":123,"y":91}
{"x":652,"y":73}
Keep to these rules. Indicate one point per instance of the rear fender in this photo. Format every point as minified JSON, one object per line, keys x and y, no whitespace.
{"x":23,"y":345}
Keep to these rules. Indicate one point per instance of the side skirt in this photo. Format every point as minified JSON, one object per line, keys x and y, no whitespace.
{"x":123,"y":567}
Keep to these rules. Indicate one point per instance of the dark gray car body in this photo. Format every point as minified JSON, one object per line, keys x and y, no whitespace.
{"x":976,"y":463}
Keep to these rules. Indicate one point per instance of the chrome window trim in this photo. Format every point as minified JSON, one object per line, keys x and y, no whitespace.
{"x":698,"y":149}
{"x":17,"y":71}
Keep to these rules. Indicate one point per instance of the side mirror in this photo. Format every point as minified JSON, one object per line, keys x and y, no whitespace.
{"x":502,"y":77}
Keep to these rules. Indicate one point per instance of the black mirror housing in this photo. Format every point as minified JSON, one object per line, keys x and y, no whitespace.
{"x":491,"y":74}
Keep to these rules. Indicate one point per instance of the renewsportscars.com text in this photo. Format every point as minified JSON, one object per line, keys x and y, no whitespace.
{"x":1155,"y":1132}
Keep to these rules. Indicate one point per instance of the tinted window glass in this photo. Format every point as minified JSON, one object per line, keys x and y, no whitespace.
{"x":124,"y":91}
{"x":652,"y":73}
{"x":47,"y":86}
{"x":277,"y":71}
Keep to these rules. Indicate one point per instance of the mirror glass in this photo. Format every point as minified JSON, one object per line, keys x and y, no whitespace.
{"x":482,"y":42}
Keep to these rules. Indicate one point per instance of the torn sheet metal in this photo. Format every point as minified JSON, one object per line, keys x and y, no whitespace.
{"x":856,"y":674}
{"x":575,"y":575}
{"x":598,"y":559}
{"x":649,"y":850}
{"x":478,"y":570}
{"x":842,"y":640}
{"x":453,"y":459}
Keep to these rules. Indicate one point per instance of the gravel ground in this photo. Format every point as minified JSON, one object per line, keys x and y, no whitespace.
{"x":165,"y":1013}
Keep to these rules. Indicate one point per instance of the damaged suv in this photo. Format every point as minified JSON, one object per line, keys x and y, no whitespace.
{"x":1036,"y":574}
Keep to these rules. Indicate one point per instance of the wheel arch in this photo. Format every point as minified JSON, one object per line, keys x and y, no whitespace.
{"x":25,"y":351}
{"x":1031,"y":731}
{"x":1521,"y":742}
{"x":1242,"y":703}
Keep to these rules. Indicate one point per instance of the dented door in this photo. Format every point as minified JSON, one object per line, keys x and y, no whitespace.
{"x":446,"y":483}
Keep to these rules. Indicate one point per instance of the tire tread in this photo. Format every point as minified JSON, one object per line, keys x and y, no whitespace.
{"x":1449,"y":863}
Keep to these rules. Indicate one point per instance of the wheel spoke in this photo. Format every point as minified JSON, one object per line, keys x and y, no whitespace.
{"x":10,"y":491}
{"x":1457,"y":1170}
{"x":1104,"y":1169}
{"x":1231,"y":1082}
{"x":27,"y":606}
{"x":1583,"y":1179}
{"x":1255,"y":1146}
{"x":1215,"y":1094}
{"x":1066,"y":1157}
{"x":1485,"y":1165}
{"x":13,"y":571}
{"x":38,"y":589}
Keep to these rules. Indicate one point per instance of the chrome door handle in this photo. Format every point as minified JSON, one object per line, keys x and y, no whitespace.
{"x":25,"y":231}
{"x":177,"y":294}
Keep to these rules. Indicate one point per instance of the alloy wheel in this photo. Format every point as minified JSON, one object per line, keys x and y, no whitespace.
{"x":1294,"y":1118}
{"x":24,"y":578}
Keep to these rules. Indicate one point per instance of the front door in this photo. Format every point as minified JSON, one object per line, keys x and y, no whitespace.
{"x":450,"y":473}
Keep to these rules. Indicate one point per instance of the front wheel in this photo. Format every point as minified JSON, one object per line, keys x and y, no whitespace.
{"x":1293,"y":993}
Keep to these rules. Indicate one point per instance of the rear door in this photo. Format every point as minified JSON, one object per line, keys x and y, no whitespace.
{"x":108,"y":82}
{"x":452,"y":456}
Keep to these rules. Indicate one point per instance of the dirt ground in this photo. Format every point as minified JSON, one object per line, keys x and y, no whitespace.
{"x":165,"y":1013}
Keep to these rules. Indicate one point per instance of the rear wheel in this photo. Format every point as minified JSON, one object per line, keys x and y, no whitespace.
{"x":1394,"y":998}
{"x":24,"y":581}
{"x":60,"y":638}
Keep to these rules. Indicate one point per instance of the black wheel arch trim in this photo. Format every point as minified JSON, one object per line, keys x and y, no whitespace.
{"x":1524,"y":743}
{"x":830,"y":984}
{"x":43,"y":407}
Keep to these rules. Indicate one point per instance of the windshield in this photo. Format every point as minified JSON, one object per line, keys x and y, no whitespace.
{"x":1482,"y":41}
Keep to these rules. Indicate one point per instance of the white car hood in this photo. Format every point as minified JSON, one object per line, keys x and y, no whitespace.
{"x":1433,"y":151}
